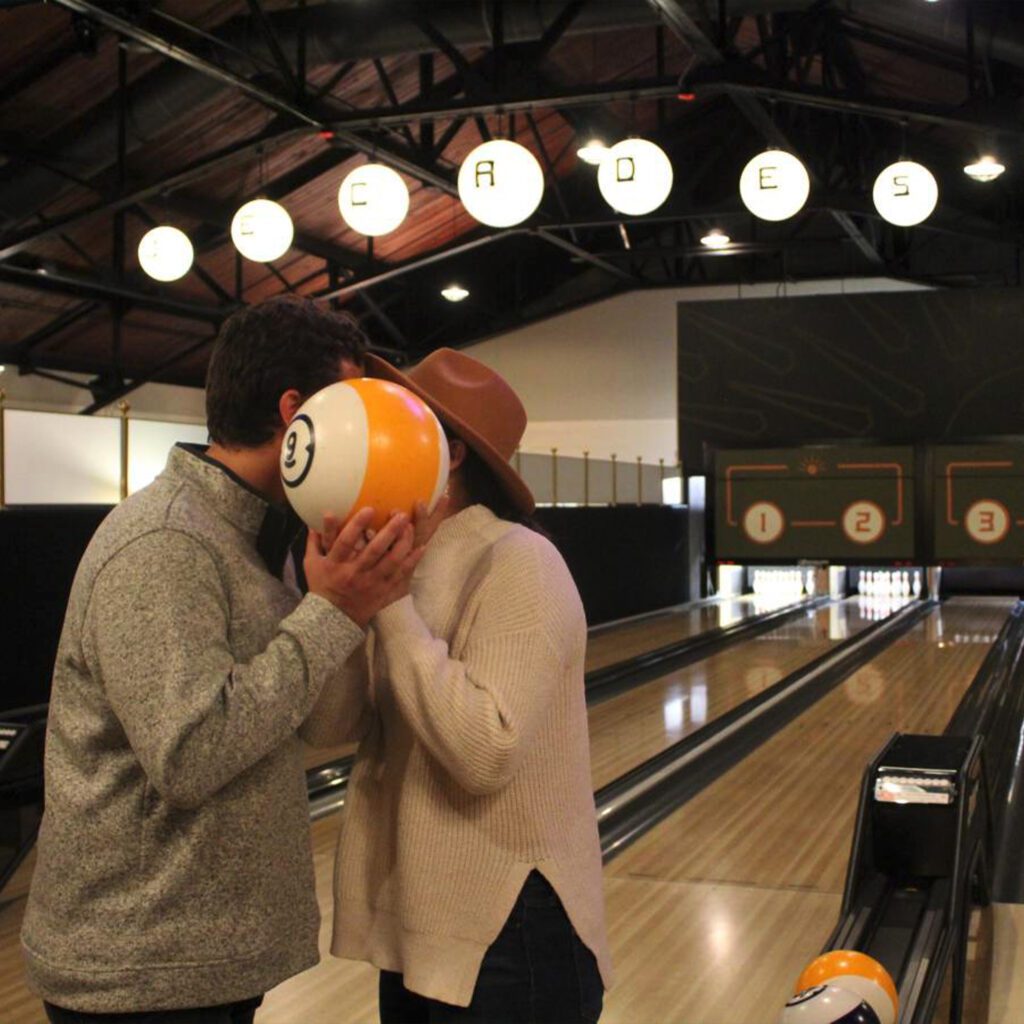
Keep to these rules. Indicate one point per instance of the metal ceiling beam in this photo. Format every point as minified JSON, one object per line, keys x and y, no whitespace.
{"x":586,"y":96}
{"x":398,"y":158}
{"x":148,"y":377}
{"x":62,"y":281}
{"x":273,"y":136}
{"x":681,"y":16}
{"x":587,"y":256}
{"x":822,"y":99}
{"x":417,"y":262}
{"x":259,"y":15}
{"x":21,"y":350}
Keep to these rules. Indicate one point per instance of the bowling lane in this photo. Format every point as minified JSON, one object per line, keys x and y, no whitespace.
{"x":618,"y":643}
{"x":636,"y":725}
{"x":767,"y":845}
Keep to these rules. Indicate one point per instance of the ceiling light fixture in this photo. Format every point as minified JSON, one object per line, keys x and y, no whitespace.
{"x":501,"y":183}
{"x":716,"y":239}
{"x":262,"y":230}
{"x":373,"y":200}
{"x":905,"y":193}
{"x":455,"y":292}
{"x":636,"y":177}
{"x":775,"y":185}
{"x":593,"y":152}
{"x":165,"y":253}
{"x":988,"y":168}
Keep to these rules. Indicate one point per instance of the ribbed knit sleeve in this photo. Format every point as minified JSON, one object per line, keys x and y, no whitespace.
{"x":477,"y":713}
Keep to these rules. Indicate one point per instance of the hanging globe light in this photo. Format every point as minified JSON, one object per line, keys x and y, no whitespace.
{"x":775,"y":185}
{"x":165,"y":253}
{"x":635,"y":177}
{"x":262,"y":230}
{"x":905,"y":193}
{"x":501,"y":183}
{"x":373,"y":199}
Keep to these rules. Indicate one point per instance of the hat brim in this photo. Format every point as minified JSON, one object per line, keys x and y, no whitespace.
{"x":511,"y":482}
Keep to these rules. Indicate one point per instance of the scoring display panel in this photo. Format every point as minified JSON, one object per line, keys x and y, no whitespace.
{"x":835,"y":503}
{"x":979,"y":502}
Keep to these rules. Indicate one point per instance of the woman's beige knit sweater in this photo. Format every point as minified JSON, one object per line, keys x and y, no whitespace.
{"x":474,"y":766}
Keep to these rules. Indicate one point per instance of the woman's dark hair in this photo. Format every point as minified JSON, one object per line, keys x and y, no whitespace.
{"x":483,"y":488}
{"x":267,"y":349}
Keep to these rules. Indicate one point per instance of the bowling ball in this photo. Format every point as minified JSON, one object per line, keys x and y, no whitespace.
{"x":858,"y":973}
{"x":363,"y":443}
{"x":827,"y":1004}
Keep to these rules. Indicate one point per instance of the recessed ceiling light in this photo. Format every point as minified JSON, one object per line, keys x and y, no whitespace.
{"x":716,"y":239}
{"x":593,"y":152}
{"x":455,"y":293}
{"x":988,"y":168}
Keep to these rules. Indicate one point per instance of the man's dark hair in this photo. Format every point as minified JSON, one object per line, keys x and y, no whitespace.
{"x":265,"y":350}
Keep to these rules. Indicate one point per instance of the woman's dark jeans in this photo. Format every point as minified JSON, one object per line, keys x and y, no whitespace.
{"x":536,"y":972}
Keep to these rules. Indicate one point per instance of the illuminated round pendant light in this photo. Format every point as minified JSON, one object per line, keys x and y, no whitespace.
{"x":635,"y":177}
{"x":165,"y":253}
{"x":775,"y":185}
{"x":905,"y":193}
{"x":262,"y":230}
{"x":454,"y":292}
{"x":373,"y":199}
{"x":501,"y":183}
{"x":987,"y":169}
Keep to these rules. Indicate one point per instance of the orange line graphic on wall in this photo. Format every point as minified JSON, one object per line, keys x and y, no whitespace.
{"x":729,"y":470}
{"x":950,"y":467}
{"x":898,"y":521}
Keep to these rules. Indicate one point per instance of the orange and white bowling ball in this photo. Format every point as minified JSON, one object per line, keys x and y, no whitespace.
{"x":363,"y":443}
{"x":856,"y":972}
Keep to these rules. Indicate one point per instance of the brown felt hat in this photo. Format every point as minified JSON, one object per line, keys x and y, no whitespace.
{"x":476,"y":403}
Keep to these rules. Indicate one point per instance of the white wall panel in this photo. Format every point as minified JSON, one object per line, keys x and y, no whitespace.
{"x":149,"y":443}
{"x":54,"y":459}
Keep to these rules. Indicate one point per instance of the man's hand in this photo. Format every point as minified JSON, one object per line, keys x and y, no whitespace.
{"x":360,"y":575}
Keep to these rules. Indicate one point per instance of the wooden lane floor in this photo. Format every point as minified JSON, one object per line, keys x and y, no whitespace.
{"x":759,"y":858}
{"x":608,"y":646}
{"x":687,"y":950}
{"x":636,"y":725}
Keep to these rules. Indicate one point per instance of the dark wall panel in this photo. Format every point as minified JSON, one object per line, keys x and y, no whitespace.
{"x":625,"y":559}
{"x":901,"y":367}
{"x":39,"y":550}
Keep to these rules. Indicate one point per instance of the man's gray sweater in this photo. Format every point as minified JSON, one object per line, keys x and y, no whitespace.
{"x":174,"y":864}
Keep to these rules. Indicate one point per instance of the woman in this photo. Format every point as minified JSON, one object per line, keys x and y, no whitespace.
{"x":469,"y":868}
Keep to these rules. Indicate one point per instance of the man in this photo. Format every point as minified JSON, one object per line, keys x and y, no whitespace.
{"x":174,"y":881}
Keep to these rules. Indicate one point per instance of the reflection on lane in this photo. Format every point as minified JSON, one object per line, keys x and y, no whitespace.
{"x":760,"y":856}
{"x":618,"y":643}
{"x":630,"y":728}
